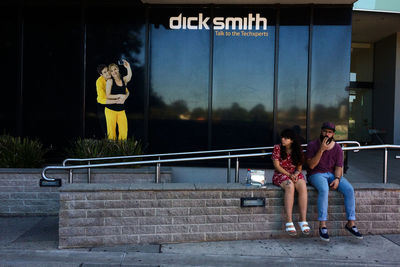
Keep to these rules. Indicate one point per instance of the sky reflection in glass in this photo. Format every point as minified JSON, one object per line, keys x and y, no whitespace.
{"x":180,"y":66}
{"x":330,"y":77}
{"x":292,"y":77}
{"x":244,"y":71}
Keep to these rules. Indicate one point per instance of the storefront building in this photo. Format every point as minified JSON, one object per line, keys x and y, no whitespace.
{"x":205,"y":76}
{"x":374,"y":95}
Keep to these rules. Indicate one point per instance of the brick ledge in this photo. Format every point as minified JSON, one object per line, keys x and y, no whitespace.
{"x":199,"y":186}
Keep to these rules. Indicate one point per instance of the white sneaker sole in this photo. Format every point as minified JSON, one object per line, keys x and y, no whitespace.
{"x":324,"y":239}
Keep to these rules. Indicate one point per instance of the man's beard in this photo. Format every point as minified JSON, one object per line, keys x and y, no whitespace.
{"x":321,"y":137}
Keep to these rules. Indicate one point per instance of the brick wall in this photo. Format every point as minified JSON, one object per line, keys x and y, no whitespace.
{"x":95,"y":215}
{"x":20,"y":193}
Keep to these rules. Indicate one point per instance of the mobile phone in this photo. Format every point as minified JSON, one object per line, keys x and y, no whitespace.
{"x":329,"y":140}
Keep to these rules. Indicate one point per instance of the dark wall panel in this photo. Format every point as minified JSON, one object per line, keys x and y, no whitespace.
{"x":52,"y":88}
{"x":9,"y":108}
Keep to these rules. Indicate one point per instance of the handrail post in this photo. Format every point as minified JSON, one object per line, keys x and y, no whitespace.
{"x":228,"y":171}
{"x":88,"y":173}
{"x":70,"y":179}
{"x":385,"y":166}
{"x":237,"y":171}
{"x":158,"y":167}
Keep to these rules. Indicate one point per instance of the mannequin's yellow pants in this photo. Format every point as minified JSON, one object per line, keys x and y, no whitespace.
{"x":113,"y":119}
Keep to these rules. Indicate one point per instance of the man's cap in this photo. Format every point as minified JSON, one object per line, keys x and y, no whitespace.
{"x":328,"y":125}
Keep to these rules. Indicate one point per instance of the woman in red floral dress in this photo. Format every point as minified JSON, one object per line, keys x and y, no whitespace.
{"x":288,"y":160}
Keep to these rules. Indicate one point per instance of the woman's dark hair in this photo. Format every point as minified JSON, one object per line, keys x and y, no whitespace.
{"x":297,"y":151}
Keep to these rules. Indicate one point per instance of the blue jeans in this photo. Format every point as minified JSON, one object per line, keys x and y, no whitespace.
{"x":321,"y":182}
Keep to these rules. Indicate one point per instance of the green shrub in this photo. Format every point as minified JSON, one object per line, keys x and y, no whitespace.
{"x":127,"y":147}
{"x":17,"y":152}
{"x":98,"y":148}
{"x":87,"y":148}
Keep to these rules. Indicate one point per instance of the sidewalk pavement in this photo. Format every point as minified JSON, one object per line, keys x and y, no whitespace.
{"x":32,"y":241}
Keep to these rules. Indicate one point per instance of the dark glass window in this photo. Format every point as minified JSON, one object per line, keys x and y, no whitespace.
{"x":330,"y":69}
{"x":179,"y":82}
{"x":113,"y":33}
{"x":293,"y":69}
{"x":243,"y":80}
{"x":52,"y":73}
{"x":195,"y":67}
{"x":9,"y":69}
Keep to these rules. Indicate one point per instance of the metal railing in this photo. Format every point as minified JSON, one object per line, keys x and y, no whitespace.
{"x":159,"y":161}
{"x":89,"y":160}
{"x":385,"y":155}
{"x":158,"y":173}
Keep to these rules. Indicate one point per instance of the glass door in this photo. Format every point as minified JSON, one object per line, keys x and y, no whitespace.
{"x":360,"y":114}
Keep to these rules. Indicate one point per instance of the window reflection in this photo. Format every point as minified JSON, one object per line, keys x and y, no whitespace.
{"x":292,"y":73}
{"x":243,"y":81}
{"x":179,"y":84}
{"x":330,"y":78}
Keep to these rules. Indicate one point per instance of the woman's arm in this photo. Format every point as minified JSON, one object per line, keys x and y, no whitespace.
{"x":279,"y":168}
{"x":126,"y":95}
{"x":128,"y":76}
{"x":298,"y":170}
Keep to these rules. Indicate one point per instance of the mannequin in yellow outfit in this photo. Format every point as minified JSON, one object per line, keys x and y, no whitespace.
{"x":102,"y":99}
{"x":115,"y":113}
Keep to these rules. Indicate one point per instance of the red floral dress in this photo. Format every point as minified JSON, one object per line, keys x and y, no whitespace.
{"x":286,"y":164}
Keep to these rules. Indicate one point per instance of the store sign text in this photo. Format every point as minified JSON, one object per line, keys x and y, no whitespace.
{"x":220,"y":23}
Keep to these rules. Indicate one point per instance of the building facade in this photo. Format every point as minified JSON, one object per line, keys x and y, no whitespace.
{"x":205,"y":76}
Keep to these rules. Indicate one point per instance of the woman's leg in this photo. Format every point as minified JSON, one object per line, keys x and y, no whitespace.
{"x":111,"y":119}
{"x":288,"y":187}
{"x":301,"y":189}
{"x":122,"y":126}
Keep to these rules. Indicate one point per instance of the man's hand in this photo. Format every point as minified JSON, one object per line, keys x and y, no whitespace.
{"x":334,"y":184}
{"x":324,"y":145}
{"x":121,"y":99}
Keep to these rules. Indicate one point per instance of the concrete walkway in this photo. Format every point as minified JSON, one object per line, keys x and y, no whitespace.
{"x":32,"y":241}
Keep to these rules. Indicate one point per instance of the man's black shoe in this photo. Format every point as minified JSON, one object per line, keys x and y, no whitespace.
{"x":354,"y":231}
{"x":323,"y":234}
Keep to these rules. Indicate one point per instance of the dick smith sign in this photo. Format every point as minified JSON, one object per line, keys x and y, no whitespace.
{"x":220,"y":23}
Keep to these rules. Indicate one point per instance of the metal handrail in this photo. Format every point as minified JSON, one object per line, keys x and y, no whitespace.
{"x":149,"y":162}
{"x":167,"y":154}
{"x":186,"y":153}
{"x":229,"y":151}
{"x":159,"y":161}
{"x":385,"y":159}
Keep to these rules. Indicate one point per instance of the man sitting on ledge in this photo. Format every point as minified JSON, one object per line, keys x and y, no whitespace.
{"x":325,"y":161}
